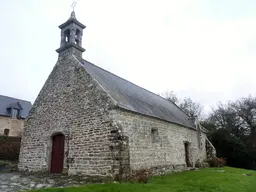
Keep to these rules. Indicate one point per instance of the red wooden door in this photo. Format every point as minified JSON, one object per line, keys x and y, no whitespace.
{"x":57,"y":153}
{"x":187,"y":155}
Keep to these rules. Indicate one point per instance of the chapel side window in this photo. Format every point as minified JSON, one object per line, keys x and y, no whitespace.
{"x":154,"y":135}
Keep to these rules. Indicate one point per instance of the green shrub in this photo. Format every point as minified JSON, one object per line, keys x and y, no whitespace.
{"x":233,"y":149}
{"x":3,"y":137}
{"x":9,"y":148}
{"x":217,"y":162}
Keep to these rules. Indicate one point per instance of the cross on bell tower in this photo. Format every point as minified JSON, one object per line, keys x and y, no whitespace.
{"x":71,"y":37}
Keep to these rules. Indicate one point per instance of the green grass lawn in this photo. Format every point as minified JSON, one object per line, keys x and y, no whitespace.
{"x":207,"y":180}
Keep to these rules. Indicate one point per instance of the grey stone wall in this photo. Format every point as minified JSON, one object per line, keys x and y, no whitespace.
{"x":71,"y":103}
{"x":167,"y":152}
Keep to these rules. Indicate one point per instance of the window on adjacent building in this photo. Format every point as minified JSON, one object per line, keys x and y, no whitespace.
{"x":6,"y":132}
{"x":15,"y":114}
{"x":154,"y":135}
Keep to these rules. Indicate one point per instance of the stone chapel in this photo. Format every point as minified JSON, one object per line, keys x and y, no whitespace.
{"x":88,"y":121}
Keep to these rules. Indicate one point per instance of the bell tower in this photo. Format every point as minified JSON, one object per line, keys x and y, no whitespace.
{"x":71,"y":37}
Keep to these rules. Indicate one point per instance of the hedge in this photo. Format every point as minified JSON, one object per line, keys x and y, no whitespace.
{"x":9,"y":148}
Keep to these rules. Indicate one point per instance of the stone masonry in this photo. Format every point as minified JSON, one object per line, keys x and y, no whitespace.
{"x":168,"y":152}
{"x":101,"y":138}
{"x":73,"y":104}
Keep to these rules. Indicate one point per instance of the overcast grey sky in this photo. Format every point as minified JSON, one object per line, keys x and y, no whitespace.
{"x":203,"y":49}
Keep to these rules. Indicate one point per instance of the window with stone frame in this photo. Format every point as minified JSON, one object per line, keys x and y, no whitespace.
{"x":155,"y":135}
{"x":6,"y":132}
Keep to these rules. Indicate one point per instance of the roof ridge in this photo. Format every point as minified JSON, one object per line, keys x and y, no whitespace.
{"x":137,"y":86}
{"x":15,"y":98}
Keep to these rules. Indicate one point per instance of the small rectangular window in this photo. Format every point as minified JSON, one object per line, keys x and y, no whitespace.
{"x":154,"y":135}
{"x":15,"y":114}
{"x":6,"y":132}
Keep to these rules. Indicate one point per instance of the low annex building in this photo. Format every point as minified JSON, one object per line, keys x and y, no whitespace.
{"x":89,"y":121}
{"x":13,"y":113}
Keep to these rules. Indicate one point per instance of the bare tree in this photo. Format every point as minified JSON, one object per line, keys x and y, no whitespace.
{"x":171,"y":96}
{"x":225,"y":117}
{"x":190,"y":107}
{"x":238,"y":117}
{"x":246,"y":112}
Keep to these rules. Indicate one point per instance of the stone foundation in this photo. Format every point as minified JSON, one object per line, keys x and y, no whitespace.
{"x":162,"y":170}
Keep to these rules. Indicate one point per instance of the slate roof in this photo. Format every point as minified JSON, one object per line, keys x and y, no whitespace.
{"x":9,"y":102}
{"x":137,"y":99}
